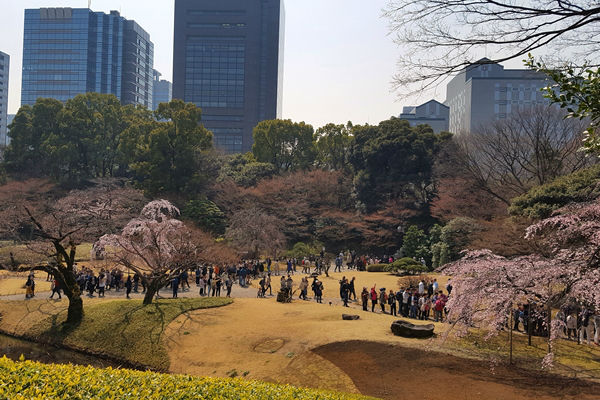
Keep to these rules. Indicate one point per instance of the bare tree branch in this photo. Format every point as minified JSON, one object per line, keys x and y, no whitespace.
{"x":442,"y":37}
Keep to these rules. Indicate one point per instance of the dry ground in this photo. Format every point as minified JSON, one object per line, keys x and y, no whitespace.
{"x":12,"y":283}
{"x":400,"y":373}
{"x":307,"y":344}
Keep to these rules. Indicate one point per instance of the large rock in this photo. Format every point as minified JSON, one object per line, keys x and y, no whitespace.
{"x":408,"y":330}
{"x":348,"y":317}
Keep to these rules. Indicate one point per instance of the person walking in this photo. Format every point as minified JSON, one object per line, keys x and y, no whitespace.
{"x":303,"y":288}
{"x":128,"y":286}
{"x":175,"y":286}
{"x":55,"y":289}
{"x":101,"y":284}
{"x":587,"y":326}
{"x":364,"y":296}
{"x":213,"y":285}
{"x":218,"y":284}
{"x":30,"y":286}
{"x":352,"y":294}
{"x":268,"y":284}
{"x":202,"y":285}
{"x":228,"y":285}
{"x":318,"y":289}
{"x":345,"y":292}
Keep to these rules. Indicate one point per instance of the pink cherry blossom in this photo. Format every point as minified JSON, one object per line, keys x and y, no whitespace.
{"x":486,"y":287}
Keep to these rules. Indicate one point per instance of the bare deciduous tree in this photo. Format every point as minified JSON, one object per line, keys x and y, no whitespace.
{"x":441,"y":37}
{"x":253,"y":230}
{"x":52,"y":228}
{"x":508,"y":157}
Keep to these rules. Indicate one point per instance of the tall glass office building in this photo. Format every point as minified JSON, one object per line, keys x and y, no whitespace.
{"x":4,"y":75}
{"x":228,"y":60}
{"x":68,"y":51}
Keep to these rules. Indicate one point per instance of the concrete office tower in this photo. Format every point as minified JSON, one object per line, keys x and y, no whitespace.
{"x":432,"y":113}
{"x":69,"y":51}
{"x":162,"y":92}
{"x":228,"y":60}
{"x":485,"y":92}
{"x":4,"y":75}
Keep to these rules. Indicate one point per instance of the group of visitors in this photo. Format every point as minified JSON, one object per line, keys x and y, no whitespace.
{"x":416,"y":303}
{"x":580,"y":323}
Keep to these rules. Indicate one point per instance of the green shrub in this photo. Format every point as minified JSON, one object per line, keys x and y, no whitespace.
{"x":30,"y":380}
{"x":301,"y":250}
{"x":377,"y":268}
{"x":407,"y":265}
{"x":541,"y":201}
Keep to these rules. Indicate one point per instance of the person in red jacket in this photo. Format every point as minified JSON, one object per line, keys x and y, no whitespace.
{"x":438,"y":308}
{"x":373,"y":298}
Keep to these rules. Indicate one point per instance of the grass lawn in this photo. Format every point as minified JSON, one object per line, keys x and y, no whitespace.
{"x":122,"y":329}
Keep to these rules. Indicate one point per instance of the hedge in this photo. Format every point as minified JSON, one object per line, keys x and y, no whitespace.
{"x":377,"y":268}
{"x":31,"y":380}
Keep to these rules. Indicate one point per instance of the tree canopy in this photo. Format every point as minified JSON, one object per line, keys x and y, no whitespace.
{"x":394,"y":161}
{"x":288,"y":145}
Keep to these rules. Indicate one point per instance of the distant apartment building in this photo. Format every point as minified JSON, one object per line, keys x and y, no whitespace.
{"x":162,"y":91}
{"x":228,"y":60}
{"x":432,"y":113}
{"x":485,"y":92}
{"x":4,"y":72}
{"x":70,"y":51}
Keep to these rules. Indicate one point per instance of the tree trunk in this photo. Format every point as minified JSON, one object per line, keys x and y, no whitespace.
{"x":152,"y":288}
{"x":75,"y":311}
{"x":549,"y":327}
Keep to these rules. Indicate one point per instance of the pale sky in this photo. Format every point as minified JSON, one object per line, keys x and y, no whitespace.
{"x":339,"y":59}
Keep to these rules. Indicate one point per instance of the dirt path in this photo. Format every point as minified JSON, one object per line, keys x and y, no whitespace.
{"x":397,"y":373}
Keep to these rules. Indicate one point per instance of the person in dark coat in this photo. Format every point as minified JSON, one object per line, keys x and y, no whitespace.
{"x":175,"y":286}
{"x":128,"y":286}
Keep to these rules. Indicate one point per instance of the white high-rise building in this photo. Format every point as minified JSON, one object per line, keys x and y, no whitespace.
{"x":4,"y":70}
{"x":485,"y":92}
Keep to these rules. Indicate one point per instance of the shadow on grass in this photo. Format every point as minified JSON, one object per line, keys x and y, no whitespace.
{"x":124,"y":330}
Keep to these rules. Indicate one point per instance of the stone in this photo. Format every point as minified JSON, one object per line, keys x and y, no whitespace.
{"x":348,"y":317}
{"x":408,"y":330}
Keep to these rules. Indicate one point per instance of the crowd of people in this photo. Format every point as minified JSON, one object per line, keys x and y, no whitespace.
{"x":422,"y":301}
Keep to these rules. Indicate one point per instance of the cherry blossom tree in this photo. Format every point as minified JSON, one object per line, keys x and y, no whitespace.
{"x":52,"y":227}
{"x":564,"y":269}
{"x":155,"y":245}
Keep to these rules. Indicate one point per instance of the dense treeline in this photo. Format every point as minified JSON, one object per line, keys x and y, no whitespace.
{"x":341,"y":186}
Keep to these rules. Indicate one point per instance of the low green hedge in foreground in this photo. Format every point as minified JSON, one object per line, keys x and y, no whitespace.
{"x":31,"y":380}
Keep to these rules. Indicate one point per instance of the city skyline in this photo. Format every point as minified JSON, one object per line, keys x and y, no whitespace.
{"x":321,"y":64}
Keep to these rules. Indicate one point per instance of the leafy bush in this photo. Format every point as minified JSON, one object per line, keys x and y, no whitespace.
{"x":407,"y":265}
{"x":541,"y":201}
{"x":30,"y":380}
{"x":377,"y":268}
{"x":301,"y":250}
